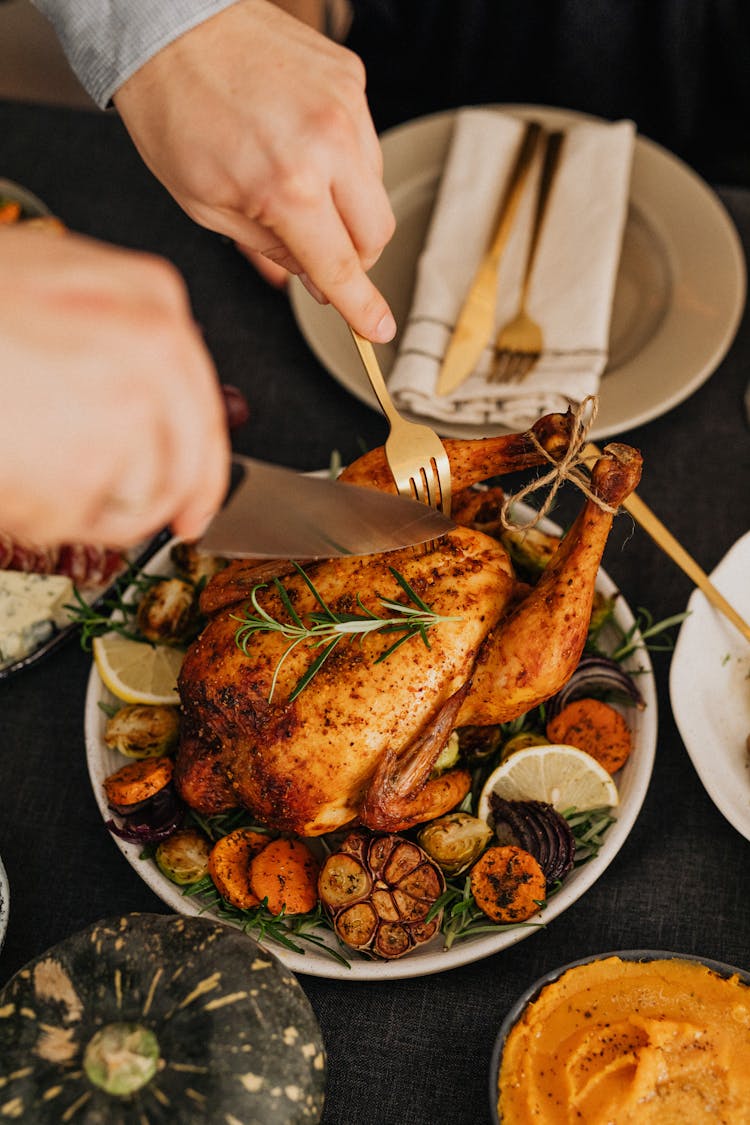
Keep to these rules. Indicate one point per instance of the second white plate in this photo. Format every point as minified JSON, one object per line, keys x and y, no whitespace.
{"x":680,"y":289}
{"x":709,"y":686}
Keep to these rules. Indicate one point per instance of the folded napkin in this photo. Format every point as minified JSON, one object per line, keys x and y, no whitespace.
{"x":571,"y":288}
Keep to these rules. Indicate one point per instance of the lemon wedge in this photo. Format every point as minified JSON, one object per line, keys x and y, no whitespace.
{"x":563,"y":776}
{"x":137,"y":672}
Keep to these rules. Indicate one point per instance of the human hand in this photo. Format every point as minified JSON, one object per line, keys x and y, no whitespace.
{"x":259,"y":127}
{"x":112,"y":423}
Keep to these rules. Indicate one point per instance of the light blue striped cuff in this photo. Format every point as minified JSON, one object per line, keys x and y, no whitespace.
{"x":105,"y":41}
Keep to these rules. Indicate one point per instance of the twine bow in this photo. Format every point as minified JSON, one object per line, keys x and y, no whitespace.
{"x":566,"y":468}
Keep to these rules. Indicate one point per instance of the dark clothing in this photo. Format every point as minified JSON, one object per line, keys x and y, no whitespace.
{"x":679,"y":68}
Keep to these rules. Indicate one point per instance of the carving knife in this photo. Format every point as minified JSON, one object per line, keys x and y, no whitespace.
{"x":476,"y":320}
{"x":273,"y":512}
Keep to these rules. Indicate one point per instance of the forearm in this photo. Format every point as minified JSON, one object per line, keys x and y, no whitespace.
{"x":105,"y":43}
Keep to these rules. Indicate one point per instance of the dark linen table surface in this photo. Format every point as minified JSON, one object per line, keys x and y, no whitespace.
{"x":410,"y":1052}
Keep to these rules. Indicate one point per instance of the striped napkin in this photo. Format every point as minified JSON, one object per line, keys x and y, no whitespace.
{"x":572,"y":286}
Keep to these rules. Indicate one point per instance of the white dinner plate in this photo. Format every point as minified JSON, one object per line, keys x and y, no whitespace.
{"x":4,"y":903}
{"x":632,"y":783}
{"x":680,"y":288}
{"x":709,"y":686}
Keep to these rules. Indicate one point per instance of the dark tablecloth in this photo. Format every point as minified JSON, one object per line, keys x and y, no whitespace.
{"x":417,"y":1051}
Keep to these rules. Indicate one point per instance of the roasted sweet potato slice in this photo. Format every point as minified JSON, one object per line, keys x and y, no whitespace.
{"x":285,"y":873}
{"x":229,"y":866}
{"x":508,"y":884}
{"x":138,"y":781}
{"x":597,"y":728}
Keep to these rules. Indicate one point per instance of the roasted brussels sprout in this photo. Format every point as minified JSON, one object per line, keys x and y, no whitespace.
{"x":530,"y":550}
{"x":602,"y":611}
{"x":454,"y":841}
{"x":183,"y":856}
{"x":520,"y":741}
{"x":139,"y":730}
{"x":477,"y":744}
{"x":448,"y":756}
{"x":168,"y":612}
{"x":193,"y":564}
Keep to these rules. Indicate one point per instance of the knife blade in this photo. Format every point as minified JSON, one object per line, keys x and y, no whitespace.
{"x":277,"y":513}
{"x":476,"y":320}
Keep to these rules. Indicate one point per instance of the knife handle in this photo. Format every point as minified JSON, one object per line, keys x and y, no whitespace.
{"x":512,"y":197}
{"x":546,"y":179}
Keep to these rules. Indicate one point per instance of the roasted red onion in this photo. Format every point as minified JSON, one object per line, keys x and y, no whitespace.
{"x":538,"y":828}
{"x":149,"y":821}
{"x":596,"y":676}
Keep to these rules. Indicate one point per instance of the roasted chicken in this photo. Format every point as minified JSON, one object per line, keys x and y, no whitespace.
{"x":359,"y":743}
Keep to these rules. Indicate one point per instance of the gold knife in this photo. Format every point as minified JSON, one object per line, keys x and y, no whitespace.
{"x":476,"y":320}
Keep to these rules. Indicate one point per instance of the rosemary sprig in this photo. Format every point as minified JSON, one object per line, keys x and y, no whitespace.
{"x":588,"y":830}
{"x":286,"y":930}
{"x":462,"y":917}
{"x":325,"y":628}
{"x":643,"y":632}
{"x":112,"y":614}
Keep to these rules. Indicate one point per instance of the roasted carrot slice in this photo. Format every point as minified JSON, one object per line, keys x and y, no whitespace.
{"x":138,"y":781}
{"x":597,"y":728}
{"x":10,"y":211}
{"x":286,"y":873}
{"x":229,"y":866}
{"x":508,"y":884}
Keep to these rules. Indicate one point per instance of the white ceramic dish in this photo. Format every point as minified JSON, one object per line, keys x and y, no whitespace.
{"x":4,"y":903}
{"x":31,"y":205}
{"x":709,"y":687}
{"x":532,"y":992}
{"x":632,"y":782}
{"x":680,"y":290}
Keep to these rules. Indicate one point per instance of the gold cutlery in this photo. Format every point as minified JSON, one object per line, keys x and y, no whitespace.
{"x":653,"y":526}
{"x":519,"y":342}
{"x":476,"y":320}
{"x":415,"y":454}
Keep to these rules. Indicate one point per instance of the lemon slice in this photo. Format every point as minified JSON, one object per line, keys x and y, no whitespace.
{"x":563,"y":776}
{"x":137,"y":672}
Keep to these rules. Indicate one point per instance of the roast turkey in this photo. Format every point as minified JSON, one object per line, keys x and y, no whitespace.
{"x":359,"y":742}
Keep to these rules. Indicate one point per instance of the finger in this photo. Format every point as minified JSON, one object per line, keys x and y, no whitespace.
{"x":199,"y":448}
{"x":331,"y":262}
{"x":273,"y":273}
{"x":370,"y":228}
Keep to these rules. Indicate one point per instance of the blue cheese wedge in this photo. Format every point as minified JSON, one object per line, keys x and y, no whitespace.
{"x":31,"y":608}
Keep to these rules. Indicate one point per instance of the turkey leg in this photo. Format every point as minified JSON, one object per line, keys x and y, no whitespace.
{"x":534,"y":650}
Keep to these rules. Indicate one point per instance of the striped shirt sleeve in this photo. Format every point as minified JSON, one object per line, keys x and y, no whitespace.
{"x":105,"y":41}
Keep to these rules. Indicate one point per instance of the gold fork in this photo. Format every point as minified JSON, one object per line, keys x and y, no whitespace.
{"x":415,"y":454}
{"x":519,"y":342}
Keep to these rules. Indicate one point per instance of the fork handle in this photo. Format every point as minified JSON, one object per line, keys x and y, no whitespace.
{"x":375,"y":375}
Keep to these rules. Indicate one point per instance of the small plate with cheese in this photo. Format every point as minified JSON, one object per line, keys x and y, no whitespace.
{"x":35,"y":608}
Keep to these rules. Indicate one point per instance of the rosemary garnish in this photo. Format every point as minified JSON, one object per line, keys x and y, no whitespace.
{"x":112,"y":614}
{"x":588,"y":830}
{"x":643,"y":632}
{"x":462,"y":917}
{"x":325,"y":628}
{"x":286,"y":930}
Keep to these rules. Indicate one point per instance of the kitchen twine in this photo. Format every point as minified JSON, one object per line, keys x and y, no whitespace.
{"x":567,"y":468}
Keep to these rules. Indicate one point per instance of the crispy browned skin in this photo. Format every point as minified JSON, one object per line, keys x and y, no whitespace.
{"x":361,"y":739}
